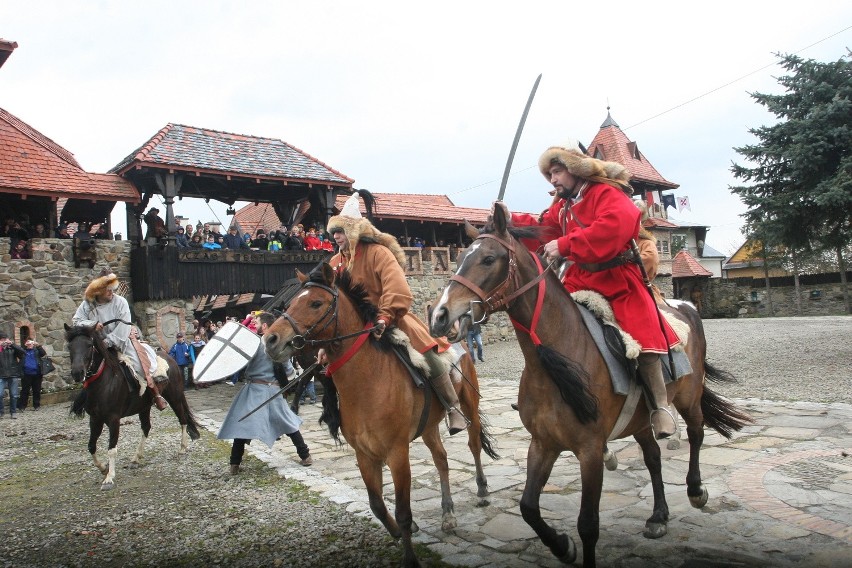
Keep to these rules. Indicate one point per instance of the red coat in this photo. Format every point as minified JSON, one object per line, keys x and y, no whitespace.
{"x":610,"y":220}
{"x":312,"y":243}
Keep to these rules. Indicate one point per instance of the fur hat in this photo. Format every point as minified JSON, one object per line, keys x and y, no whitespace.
{"x":643,"y":232}
{"x":99,"y":285}
{"x":359,"y":229}
{"x":571,"y":155}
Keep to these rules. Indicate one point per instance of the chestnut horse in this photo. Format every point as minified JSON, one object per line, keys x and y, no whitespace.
{"x":107,"y":397}
{"x":566,"y":399}
{"x":372,"y":399}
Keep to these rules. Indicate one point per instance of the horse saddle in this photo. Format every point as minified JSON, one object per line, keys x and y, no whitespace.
{"x":618,"y":348}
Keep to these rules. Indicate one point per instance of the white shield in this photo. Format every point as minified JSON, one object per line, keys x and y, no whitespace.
{"x":226,"y":353}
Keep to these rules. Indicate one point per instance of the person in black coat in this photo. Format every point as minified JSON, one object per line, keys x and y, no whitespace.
{"x":260,"y":242}
{"x":11,"y":356}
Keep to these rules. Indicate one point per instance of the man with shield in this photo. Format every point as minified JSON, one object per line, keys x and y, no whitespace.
{"x":592,"y":222}
{"x":273,"y":416}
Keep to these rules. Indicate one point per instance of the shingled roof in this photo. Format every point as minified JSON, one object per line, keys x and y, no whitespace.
{"x":685,"y":266}
{"x":612,"y":145}
{"x":33,"y":164}
{"x":6,"y":49}
{"x":420,"y":206}
{"x":203,"y":150}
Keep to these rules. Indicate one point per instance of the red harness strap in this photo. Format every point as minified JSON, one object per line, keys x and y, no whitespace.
{"x":539,"y":302}
{"x":96,"y":376}
{"x":336,"y":365}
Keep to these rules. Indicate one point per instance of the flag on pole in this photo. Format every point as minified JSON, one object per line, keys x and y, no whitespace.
{"x":683,"y":203}
{"x":669,"y":201}
{"x":649,"y":198}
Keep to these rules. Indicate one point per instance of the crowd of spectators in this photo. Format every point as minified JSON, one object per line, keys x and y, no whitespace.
{"x":20,"y":234}
{"x":281,"y":239}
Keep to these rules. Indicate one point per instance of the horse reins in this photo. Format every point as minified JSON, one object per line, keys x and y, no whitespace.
{"x":497,"y":298}
{"x":303,"y":340}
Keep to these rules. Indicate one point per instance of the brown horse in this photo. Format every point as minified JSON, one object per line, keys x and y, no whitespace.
{"x":107,"y":397}
{"x":566,"y":399}
{"x":372,"y":398}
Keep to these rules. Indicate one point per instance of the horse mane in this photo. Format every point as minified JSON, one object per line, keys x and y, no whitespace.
{"x":355,"y":292}
{"x":530,"y":232}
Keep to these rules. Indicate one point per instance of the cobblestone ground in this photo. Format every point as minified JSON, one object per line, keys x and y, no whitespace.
{"x":780,"y":491}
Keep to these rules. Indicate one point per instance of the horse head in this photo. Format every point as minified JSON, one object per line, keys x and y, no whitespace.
{"x":82,"y":345}
{"x":486,"y":273}
{"x":309,"y":317}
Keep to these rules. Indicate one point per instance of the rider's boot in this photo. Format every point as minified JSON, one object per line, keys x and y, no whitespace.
{"x":443,"y":385}
{"x":651,"y":370}
{"x":159,"y":401}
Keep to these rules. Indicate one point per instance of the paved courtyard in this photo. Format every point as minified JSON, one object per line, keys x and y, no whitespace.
{"x":780,"y":490}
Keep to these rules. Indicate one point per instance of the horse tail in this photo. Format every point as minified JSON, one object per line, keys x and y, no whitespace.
{"x":191,"y":423}
{"x":716,"y":375}
{"x":572,"y":381}
{"x":79,"y":405}
{"x":330,"y":409}
{"x":486,"y":439}
{"x":722,"y":415}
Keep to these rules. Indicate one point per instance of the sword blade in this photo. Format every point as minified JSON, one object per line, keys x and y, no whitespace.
{"x":516,"y":140}
{"x":284,"y":389}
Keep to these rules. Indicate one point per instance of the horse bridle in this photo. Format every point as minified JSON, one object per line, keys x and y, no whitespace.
{"x":497,"y":298}
{"x":301,"y":339}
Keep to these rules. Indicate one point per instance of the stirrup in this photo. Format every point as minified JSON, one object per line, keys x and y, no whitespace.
{"x":663,"y":435}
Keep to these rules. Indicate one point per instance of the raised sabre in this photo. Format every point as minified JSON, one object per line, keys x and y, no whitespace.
{"x":516,"y":140}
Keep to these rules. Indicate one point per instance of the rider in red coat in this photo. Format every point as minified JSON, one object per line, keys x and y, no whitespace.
{"x":591,"y":223}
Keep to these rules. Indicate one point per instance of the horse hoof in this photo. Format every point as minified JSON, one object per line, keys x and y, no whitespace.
{"x":449,"y":523}
{"x":483,"y":503}
{"x":107,"y":486}
{"x":566,"y":542}
{"x":673,"y":444}
{"x":699,"y":501}
{"x":610,"y":460}
{"x":655,"y":530}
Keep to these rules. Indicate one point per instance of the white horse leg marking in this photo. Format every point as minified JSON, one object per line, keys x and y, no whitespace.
{"x":109,"y":481}
{"x":140,"y":450}
{"x":101,"y":467}
{"x":184,"y":440}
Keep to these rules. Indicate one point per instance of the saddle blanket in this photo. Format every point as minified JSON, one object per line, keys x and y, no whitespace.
{"x":622,"y":377}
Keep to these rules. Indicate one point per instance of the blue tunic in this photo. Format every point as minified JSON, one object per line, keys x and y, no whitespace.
{"x":268,"y":423}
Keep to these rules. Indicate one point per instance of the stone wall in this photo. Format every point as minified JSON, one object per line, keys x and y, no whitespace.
{"x":739,"y":298}
{"x":42,"y":294}
{"x":428,"y":271}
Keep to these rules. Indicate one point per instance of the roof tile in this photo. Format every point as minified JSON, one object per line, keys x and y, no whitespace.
{"x":201,"y":148}
{"x":31,"y":163}
{"x":612,"y":144}
{"x":685,"y":266}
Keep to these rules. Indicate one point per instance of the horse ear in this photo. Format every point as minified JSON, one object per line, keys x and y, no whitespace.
{"x":501,"y":217}
{"x":301,"y":276}
{"x":471,"y":231}
{"x":67,"y":328}
{"x":327,"y":273}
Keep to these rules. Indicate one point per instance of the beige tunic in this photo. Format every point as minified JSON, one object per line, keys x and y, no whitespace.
{"x":384,"y":280}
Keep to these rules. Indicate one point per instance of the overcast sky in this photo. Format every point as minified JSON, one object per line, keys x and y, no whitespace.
{"x":419,"y":98}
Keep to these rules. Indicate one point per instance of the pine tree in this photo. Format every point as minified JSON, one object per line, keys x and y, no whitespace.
{"x":800,"y":197}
